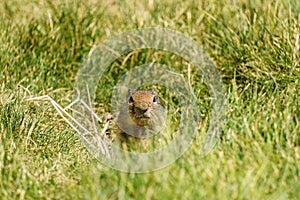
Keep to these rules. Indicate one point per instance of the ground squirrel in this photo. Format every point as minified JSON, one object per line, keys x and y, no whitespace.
{"x":142,"y":116}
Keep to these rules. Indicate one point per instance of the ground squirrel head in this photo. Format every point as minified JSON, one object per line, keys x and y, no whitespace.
{"x":142,"y":115}
{"x":143,"y":105}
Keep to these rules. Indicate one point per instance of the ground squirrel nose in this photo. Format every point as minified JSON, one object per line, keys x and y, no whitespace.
{"x":147,"y":114}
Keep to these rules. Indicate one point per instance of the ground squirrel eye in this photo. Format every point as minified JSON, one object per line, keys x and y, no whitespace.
{"x":155,"y":99}
{"x":131,"y":99}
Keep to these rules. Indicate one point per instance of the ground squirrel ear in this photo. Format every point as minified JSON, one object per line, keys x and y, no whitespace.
{"x":129,"y":94}
{"x":154,"y":92}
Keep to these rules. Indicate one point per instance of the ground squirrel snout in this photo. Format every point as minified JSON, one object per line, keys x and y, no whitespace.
{"x":142,"y":112}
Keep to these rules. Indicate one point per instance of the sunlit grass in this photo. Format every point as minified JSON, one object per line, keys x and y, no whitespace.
{"x":255,"y":46}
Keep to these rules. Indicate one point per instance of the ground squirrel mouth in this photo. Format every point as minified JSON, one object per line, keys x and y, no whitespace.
{"x":143,"y":116}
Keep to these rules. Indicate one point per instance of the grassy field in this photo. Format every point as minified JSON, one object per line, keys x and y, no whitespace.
{"x":255,"y":46}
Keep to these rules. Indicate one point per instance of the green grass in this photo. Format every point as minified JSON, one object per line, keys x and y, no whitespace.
{"x":255,"y":47}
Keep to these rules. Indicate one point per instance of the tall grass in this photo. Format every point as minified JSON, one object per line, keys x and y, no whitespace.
{"x":255,"y":46}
